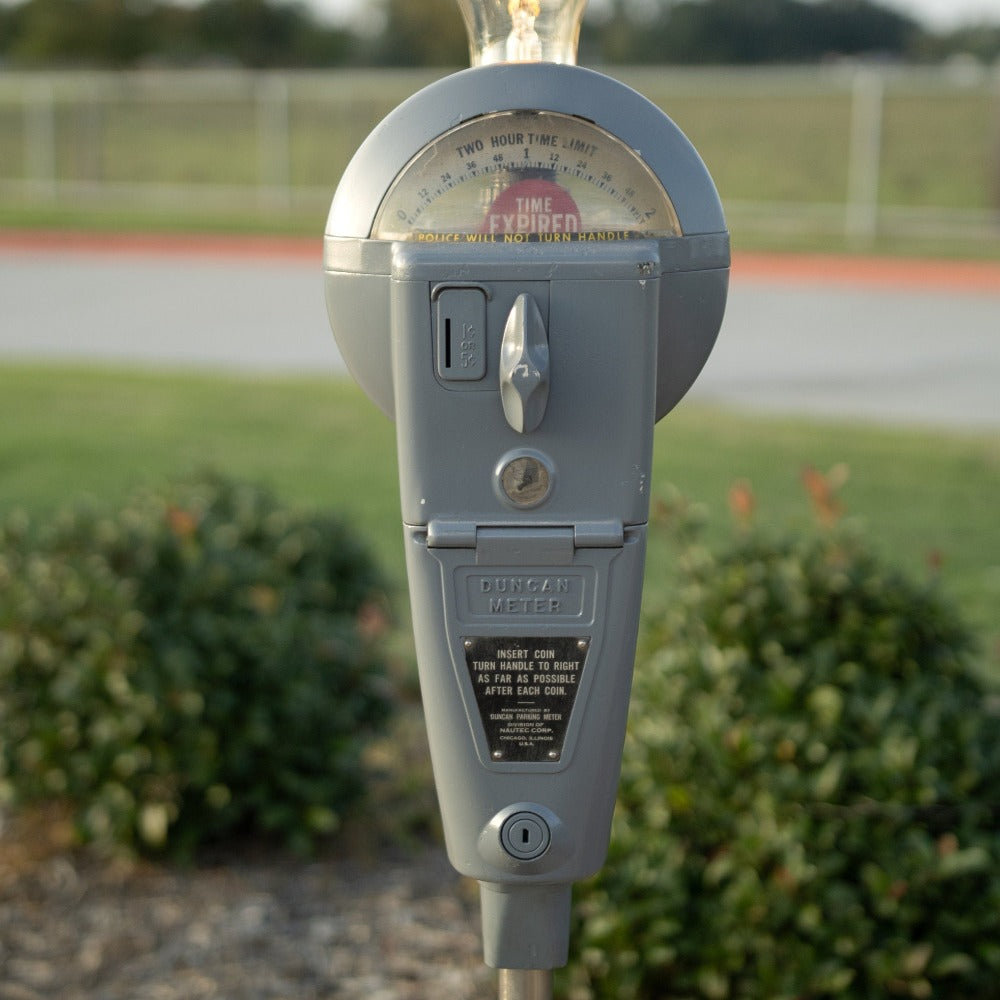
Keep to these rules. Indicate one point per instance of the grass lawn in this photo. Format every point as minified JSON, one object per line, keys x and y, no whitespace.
{"x":65,"y":432}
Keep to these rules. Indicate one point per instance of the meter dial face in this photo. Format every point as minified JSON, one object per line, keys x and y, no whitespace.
{"x":525,"y":176}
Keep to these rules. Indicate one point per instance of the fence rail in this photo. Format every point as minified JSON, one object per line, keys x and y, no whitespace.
{"x":852,"y":151}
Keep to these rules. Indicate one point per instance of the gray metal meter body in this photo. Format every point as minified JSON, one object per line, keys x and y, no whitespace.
{"x":526,"y":266}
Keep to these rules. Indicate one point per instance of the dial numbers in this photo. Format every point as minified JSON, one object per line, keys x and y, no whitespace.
{"x":525,"y":175}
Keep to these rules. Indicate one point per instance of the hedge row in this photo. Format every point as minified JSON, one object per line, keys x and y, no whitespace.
{"x":810,"y":794}
{"x":198,"y":663}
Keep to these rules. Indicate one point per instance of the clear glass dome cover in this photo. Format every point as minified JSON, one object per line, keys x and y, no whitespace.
{"x":524,"y":177}
{"x":522,"y":30}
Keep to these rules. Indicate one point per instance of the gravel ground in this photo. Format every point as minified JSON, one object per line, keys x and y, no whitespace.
{"x":77,"y":927}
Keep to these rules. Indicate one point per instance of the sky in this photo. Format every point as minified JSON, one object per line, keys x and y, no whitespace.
{"x":934,"y":13}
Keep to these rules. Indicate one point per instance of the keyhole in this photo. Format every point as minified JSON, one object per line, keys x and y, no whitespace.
{"x":524,"y":835}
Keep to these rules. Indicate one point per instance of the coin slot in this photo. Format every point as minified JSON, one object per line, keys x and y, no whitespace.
{"x":460,"y":315}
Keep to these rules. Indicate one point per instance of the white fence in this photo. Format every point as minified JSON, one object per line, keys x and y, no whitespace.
{"x":849,"y":151}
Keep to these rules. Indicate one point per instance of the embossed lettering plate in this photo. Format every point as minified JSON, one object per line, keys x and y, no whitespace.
{"x":505,"y":594}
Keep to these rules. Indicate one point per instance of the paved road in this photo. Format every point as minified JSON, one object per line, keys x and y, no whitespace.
{"x":208,"y":308}
{"x":883,"y":344}
{"x":895,"y":355}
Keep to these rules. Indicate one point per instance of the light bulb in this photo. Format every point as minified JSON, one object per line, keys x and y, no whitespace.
{"x":522,"y":30}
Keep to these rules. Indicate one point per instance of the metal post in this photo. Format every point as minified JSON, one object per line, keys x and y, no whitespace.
{"x":994,"y":167}
{"x":865,"y":157}
{"x":273,"y":143}
{"x":525,"y":984}
{"x":40,"y":139}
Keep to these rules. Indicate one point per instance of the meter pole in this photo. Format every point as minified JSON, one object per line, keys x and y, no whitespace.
{"x":525,"y":984}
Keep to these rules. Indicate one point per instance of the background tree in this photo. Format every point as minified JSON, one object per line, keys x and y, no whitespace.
{"x":254,"y":33}
{"x":122,"y":33}
{"x":95,"y":32}
{"x":287,"y":33}
{"x":430,"y":33}
{"x":768,"y":31}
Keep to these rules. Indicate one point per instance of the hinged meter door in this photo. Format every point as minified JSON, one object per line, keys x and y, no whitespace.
{"x":535,"y":658}
{"x":574,"y":447}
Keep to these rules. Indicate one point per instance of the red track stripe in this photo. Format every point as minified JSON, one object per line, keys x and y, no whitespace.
{"x":182,"y":245}
{"x":781,"y":268}
{"x":892,"y":272}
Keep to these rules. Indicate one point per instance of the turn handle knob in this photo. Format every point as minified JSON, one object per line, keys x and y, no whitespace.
{"x":524,"y":366}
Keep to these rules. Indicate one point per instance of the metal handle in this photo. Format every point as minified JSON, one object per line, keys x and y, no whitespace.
{"x":524,"y":366}
{"x":525,"y":984}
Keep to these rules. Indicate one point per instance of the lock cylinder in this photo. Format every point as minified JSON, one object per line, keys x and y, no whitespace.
{"x":525,"y":836}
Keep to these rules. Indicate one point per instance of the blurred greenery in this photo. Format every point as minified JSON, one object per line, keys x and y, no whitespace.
{"x":156,"y":654}
{"x":810,"y":787}
{"x":926,"y":498}
{"x":258,"y":33}
{"x":237,"y":152}
{"x":195,"y":151}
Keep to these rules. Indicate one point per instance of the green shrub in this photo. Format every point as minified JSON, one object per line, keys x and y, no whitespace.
{"x":809,"y":795}
{"x":199,"y":663}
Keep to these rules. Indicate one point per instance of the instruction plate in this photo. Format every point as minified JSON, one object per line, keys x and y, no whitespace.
{"x":525,"y":691}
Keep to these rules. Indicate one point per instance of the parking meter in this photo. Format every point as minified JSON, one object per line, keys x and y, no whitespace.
{"x":526,"y":266}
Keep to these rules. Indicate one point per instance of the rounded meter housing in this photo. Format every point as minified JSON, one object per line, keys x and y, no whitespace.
{"x":532,"y":159}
